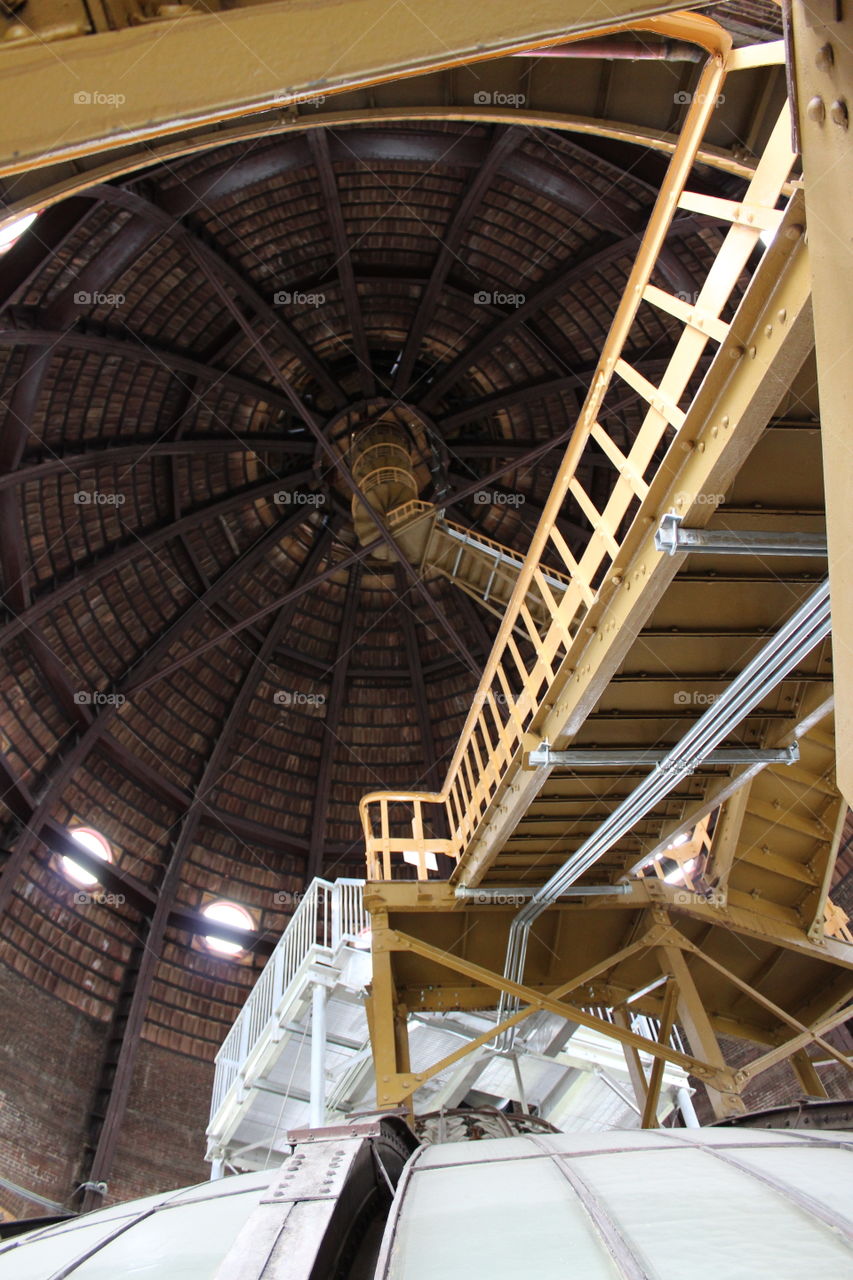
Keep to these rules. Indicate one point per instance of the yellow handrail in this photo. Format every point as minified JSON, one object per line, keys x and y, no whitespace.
{"x":492,"y":738}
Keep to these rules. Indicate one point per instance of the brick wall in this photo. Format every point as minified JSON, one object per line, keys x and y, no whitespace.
{"x":49,"y":1054}
{"x":778,"y":1086}
{"x":162,"y":1139}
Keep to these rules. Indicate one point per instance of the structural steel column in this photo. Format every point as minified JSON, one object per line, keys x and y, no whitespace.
{"x":822,"y":74}
{"x":318,"y":1056}
{"x":700,"y":1033}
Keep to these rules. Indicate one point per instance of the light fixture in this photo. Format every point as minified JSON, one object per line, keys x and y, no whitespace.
{"x":767,"y":236}
{"x":231,"y":914}
{"x":679,"y":840}
{"x":93,"y":842}
{"x":14,"y":230}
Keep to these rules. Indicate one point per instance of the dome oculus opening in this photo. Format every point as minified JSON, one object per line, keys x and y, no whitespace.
{"x":231,"y":914}
{"x":93,"y":842}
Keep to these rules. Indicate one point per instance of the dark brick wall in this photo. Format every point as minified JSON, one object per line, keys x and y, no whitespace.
{"x":778,"y":1086}
{"x":162,"y":1140}
{"x":49,"y":1054}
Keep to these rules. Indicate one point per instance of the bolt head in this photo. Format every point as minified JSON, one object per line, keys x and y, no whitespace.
{"x":839,"y":114}
{"x":816,"y":110}
{"x":824,"y":58}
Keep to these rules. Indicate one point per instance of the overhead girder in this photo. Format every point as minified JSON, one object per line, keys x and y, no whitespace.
{"x":292,"y":55}
{"x":214,"y":264}
{"x":323,"y":115}
{"x":321,"y":154}
{"x":112,"y":557}
{"x":139,"y":352}
{"x":214,"y":768}
{"x":420,"y":148}
{"x":331,"y":724}
{"x":504,"y":142}
{"x":602,"y":253}
{"x":122,"y":452}
{"x":68,"y":761}
{"x":244,"y":829}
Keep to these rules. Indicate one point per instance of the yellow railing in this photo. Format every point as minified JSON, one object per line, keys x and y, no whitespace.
{"x":513,"y":688}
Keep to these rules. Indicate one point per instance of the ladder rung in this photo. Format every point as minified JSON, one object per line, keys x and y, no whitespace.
{"x":656,"y":399}
{"x":619,"y":460}
{"x":594,"y":516}
{"x":689,"y":313}
{"x":756,"y":55}
{"x":740,"y":212}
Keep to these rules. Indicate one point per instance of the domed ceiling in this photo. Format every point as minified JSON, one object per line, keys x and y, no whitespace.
{"x":201,"y":659}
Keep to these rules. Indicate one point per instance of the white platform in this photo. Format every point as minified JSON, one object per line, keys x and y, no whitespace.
{"x":573,"y":1077}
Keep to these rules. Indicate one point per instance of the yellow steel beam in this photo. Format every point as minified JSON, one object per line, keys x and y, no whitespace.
{"x":806,"y":1072}
{"x":200,"y":69}
{"x":823,"y":76}
{"x":789,"y":1047}
{"x":770,"y":336}
{"x":394,"y":940}
{"x":649,"y":1119}
{"x":756,"y":995}
{"x":700,"y":1033}
{"x":633,"y":1061}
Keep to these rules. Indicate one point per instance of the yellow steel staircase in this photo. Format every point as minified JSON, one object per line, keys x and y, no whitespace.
{"x":644,"y":687}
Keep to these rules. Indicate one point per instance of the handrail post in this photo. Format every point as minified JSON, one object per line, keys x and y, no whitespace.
{"x":337,"y":931}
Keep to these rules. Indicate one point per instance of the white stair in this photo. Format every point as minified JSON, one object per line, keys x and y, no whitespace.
{"x":269,"y":1063}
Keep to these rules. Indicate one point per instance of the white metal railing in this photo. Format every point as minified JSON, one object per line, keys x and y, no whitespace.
{"x":641,"y":1024}
{"x":329,"y":915}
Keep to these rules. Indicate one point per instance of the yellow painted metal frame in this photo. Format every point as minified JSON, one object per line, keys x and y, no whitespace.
{"x":662,"y":938}
{"x":271,"y":56}
{"x":486,"y":791}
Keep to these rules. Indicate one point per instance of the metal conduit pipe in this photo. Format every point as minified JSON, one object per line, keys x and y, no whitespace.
{"x":590,"y":758}
{"x":622,"y":49}
{"x":807,"y":627}
{"x":515,"y":891}
{"x":673,"y":538}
